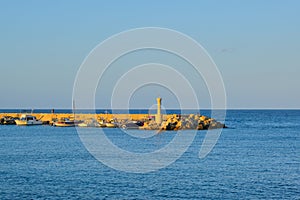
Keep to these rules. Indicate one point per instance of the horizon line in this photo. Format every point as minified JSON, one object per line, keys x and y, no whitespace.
{"x":150,"y":109}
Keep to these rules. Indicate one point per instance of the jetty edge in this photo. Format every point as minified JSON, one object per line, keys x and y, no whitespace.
{"x":156,"y":121}
{"x":138,"y":121}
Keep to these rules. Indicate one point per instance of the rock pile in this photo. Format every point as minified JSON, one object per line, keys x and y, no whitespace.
{"x":180,"y":122}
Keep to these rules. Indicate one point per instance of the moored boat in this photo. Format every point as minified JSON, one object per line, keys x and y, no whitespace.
{"x":133,"y":125}
{"x":27,"y":120}
{"x":65,"y":122}
{"x":8,"y":120}
{"x":90,"y":123}
{"x":107,"y":124}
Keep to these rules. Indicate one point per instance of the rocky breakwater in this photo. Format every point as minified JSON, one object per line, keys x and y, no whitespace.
{"x":127,"y":121}
{"x":182,"y":122}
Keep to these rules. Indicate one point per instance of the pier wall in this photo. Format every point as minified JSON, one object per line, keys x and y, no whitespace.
{"x":49,"y":116}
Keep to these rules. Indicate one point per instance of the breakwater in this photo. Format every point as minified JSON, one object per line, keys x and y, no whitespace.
{"x":138,"y":121}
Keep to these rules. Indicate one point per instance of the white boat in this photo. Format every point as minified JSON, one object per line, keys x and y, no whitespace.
{"x":133,"y":125}
{"x":27,"y":120}
{"x":90,"y":123}
{"x":65,"y":122}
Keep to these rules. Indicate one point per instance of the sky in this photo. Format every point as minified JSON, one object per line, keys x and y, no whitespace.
{"x":255,"y":45}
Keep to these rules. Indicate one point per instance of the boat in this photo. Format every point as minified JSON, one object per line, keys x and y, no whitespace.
{"x":110,"y":125}
{"x":66,"y":122}
{"x":90,"y":123}
{"x":133,"y":125}
{"x":107,"y":124}
{"x":102,"y":123}
{"x":84,"y":124}
{"x":27,"y":120}
{"x":8,"y":120}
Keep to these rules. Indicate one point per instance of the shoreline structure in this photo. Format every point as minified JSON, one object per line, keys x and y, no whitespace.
{"x":156,"y":121}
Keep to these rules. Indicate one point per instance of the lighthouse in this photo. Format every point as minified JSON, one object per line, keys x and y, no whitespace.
{"x":158,"y":117}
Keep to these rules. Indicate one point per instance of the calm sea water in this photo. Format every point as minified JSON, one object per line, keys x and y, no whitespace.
{"x":258,"y":157}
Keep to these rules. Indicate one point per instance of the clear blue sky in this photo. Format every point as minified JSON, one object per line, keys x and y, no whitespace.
{"x":255,"y":44}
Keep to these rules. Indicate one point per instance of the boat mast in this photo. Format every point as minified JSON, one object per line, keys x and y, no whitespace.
{"x":73,"y":107}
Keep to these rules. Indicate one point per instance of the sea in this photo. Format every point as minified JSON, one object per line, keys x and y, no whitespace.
{"x":256,"y":157}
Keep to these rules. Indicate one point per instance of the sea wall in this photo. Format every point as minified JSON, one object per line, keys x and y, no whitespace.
{"x":169,"y":122}
{"x":54,"y":116}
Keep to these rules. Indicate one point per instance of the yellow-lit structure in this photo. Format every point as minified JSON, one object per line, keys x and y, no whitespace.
{"x":158,"y":117}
